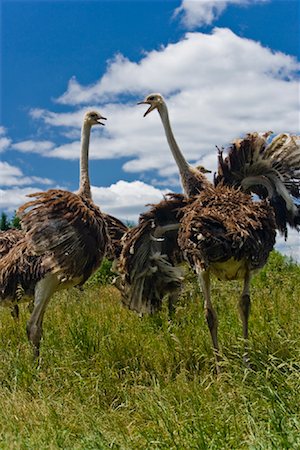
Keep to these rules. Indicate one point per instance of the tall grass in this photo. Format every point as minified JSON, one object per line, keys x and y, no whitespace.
{"x":109,"y":379}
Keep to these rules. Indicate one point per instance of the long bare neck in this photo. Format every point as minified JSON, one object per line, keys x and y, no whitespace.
{"x":181,"y":162}
{"x":85,"y":187}
{"x":191,"y":179}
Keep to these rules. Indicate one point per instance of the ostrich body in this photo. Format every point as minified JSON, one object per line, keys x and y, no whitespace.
{"x":150,"y":257}
{"x":223,"y":231}
{"x":65,"y":239}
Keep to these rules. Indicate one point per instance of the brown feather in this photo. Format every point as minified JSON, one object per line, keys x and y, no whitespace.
{"x":268,"y":168}
{"x":8,"y":239}
{"x":226,"y":223}
{"x":20,"y":269}
{"x":116,"y":230}
{"x":150,"y":255}
{"x":67,"y":228}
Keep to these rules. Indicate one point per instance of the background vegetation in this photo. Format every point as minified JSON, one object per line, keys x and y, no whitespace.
{"x":6,"y":222}
{"x":110,"y":379}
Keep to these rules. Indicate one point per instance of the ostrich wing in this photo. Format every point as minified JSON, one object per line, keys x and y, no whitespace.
{"x":268,"y":168}
{"x":8,"y":239}
{"x":116,"y":230}
{"x":20,"y":269}
{"x":149,"y":256}
{"x":68,"y":229}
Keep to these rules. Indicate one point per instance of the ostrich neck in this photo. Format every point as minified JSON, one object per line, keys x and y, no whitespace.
{"x":85,"y":187}
{"x":192,"y":180}
{"x":181,"y":162}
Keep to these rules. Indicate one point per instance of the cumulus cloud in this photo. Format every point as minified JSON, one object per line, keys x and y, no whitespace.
{"x":123,"y":199}
{"x":218,"y":61}
{"x":4,"y":143}
{"x":31,"y":146}
{"x":223,"y":87}
{"x":11,"y":199}
{"x":126,"y":200}
{"x":13,"y":176}
{"x":196,"y":13}
{"x":4,"y":140}
{"x":291,"y":247}
{"x":62,"y":119}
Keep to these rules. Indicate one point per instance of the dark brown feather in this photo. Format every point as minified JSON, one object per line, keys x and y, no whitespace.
{"x":116,"y":230}
{"x":268,"y":168}
{"x":67,"y":228}
{"x":8,"y":239}
{"x":150,"y":255}
{"x":20,"y":270}
{"x":226,"y":223}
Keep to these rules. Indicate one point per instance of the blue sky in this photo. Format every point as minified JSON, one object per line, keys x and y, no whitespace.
{"x":225,"y":67}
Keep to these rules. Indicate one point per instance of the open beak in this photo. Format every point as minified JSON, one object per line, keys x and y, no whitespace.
{"x":151,"y":107}
{"x":99,"y":121}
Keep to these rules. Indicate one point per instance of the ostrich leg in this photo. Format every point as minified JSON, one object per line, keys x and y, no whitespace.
{"x":157,"y":247}
{"x":15,"y":311}
{"x":43,"y":291}
{"x":244,"y":310}
{"x":210,"y":313}
{"x":172,"y":301}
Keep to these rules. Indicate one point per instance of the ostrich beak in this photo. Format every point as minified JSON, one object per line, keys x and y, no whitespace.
{"x":101,"y":118}
{"x":151,"y":107}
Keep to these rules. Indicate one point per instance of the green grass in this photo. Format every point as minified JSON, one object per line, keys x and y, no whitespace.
{"x":109,"y":379}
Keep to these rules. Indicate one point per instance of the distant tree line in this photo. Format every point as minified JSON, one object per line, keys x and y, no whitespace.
{"x":6,"y":223}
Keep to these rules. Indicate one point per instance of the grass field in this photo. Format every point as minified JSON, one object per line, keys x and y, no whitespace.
{"x":109,"y":379}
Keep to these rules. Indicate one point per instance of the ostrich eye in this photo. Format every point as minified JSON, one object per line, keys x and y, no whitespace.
{"x":151,"y":98}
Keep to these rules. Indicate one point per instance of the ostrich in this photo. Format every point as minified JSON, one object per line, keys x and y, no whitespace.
{"x":150,"y":252}
{"x":65,"y":239}
{"x":223,"y":231}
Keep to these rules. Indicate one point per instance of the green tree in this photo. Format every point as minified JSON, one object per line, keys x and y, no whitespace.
{"x":130,"y":223}
{"x":15,"y":221}
{"x":4,"y":222}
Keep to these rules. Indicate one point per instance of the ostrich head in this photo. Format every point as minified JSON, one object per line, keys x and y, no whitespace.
{"x":154,"y":100}
{"x":202,"y":169}
{"x":93,"y":118}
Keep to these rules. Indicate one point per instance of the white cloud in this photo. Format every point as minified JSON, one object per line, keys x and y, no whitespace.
{"x":4,"y":143}
{"x":291,"y":247}
{"x":123,"y":199}
{"x":13,"y":176}
{"x":223,"y":87}
{"x":30,"y":146}
{"x":201,"y":62}
{"x":4,"y":140}
{"x":196,"y":13}
{"x":126,"y":200}
{"x":62,"y":119}
{"x":11,"y":199}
